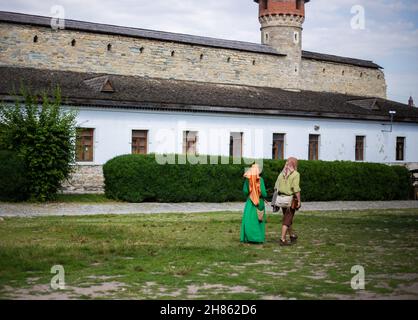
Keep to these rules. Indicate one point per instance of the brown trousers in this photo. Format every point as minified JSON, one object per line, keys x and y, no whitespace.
{"x":288,"y":216}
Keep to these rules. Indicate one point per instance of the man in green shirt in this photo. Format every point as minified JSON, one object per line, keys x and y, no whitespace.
{"x":288,"y":184}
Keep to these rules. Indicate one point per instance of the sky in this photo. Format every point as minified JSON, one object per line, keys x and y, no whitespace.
{"x":388,"y":36}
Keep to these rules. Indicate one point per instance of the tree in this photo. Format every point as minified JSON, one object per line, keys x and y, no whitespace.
{"x":44,"y":135}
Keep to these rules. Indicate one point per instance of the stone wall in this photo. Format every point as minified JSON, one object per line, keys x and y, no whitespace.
{"x":167,"y":60}
{"x":85,"y":180}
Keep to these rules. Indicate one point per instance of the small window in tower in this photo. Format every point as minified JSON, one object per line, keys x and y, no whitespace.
{"x":73,"y":42}
{"x":343,"y":73}
{"x":228,"y":60}
{"x":296,"y":37}
{"x":361,"y":74}
{"x":264,"y":4}
{"x":378,"y":77}
{"x":323,"y":70}
{"x":267,"y":37}
{"x":141,"y":50}
{"x":173,"y":53}
{"x":254,"y":62}
{"x":109,"y":47}
{"x":202,"y":56}
{"x":298,"y":4}
{"x":35,"y":39}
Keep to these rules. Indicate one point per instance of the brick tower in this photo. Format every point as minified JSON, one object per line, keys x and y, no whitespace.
{"x":281,"y":27}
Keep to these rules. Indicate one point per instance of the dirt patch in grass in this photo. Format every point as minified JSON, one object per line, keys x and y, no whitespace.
{"x":104,"y":290}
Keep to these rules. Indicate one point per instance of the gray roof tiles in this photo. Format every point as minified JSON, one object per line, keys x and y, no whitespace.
{"x":149,"y":93}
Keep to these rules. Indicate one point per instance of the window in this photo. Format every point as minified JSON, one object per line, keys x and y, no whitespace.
{"x":35,"y":39}
{"x":109,"y":47}
{"x":235,"y":144}
{"x":313,"y":147}
{"x":278,"y":146}
{"x":400,"y":149}
{"x":73,"y":42}
{"x":264,"y":4}
{"x":190,"y":142}
{"x":360,"y":148}
{"x":84,"y":145}
{"x":139,"y":142}
{"x":298,"y":4}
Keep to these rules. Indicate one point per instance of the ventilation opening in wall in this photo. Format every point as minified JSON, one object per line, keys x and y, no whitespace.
{"x":109,"y":47}
{"x":35,"y":39}
{"x":73,"y":42}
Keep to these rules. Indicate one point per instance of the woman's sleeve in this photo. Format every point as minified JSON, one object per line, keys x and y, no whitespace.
{"x":296,"y":184}
{"x":263,"y":189}
{"x":246,"y":188}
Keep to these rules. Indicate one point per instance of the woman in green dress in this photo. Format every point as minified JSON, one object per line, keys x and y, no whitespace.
{"x":253,"y":230}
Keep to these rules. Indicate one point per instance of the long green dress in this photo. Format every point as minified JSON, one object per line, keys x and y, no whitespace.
{"x":253,"y":231}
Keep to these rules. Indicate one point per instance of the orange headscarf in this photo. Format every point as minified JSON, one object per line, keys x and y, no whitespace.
{"x":253,"y":176}
{"x":290,"y":167}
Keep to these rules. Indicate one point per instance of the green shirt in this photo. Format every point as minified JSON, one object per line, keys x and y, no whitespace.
{"x":290,"y":186}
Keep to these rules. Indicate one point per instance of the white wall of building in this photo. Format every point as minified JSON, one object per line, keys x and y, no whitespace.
{"x":113,"y":129}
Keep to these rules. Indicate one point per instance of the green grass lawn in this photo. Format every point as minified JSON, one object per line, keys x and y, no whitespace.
{"x":198,"y":256}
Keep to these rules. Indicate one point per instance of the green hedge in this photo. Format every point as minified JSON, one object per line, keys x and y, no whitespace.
{"x":13,"y":182}
{"x":136,"y":178}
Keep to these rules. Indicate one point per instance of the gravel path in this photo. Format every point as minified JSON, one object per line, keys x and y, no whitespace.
{"x":76,"y":209}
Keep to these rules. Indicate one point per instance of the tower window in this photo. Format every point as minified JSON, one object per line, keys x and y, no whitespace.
{"x":298,"y":4}
{"x":323,"y":70}
{"x":202,"y":56}
{"x":228,"y":60}
{"x":141,"y":50}
{"x":73,"y":42}
{"x":343,"y":73}
{"x":35,"y":39}
{"x":361,"y":74}
{"x":264,"y":4}
{"x":173,"y":53}
{"x":109,"y":47}
{"x":254,"y":62}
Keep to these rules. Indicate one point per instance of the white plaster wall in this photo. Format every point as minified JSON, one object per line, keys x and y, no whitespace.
{"x":113,"y":134}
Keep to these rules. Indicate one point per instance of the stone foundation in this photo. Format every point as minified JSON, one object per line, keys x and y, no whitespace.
{"x":85,"y":180}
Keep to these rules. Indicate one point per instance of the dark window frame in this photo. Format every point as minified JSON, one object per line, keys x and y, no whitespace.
{"x":278,"y":146}
{"x":85,"y":145}
{"x":360,"y":148}
{"x":400,"y":148}
{"x":314,"y":143}
{"x":139,"y":142}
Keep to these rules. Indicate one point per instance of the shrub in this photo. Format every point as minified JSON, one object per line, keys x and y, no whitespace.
{"x":12,"y":177}
{"x":44,"y":136}
{"x":137,"y":178}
